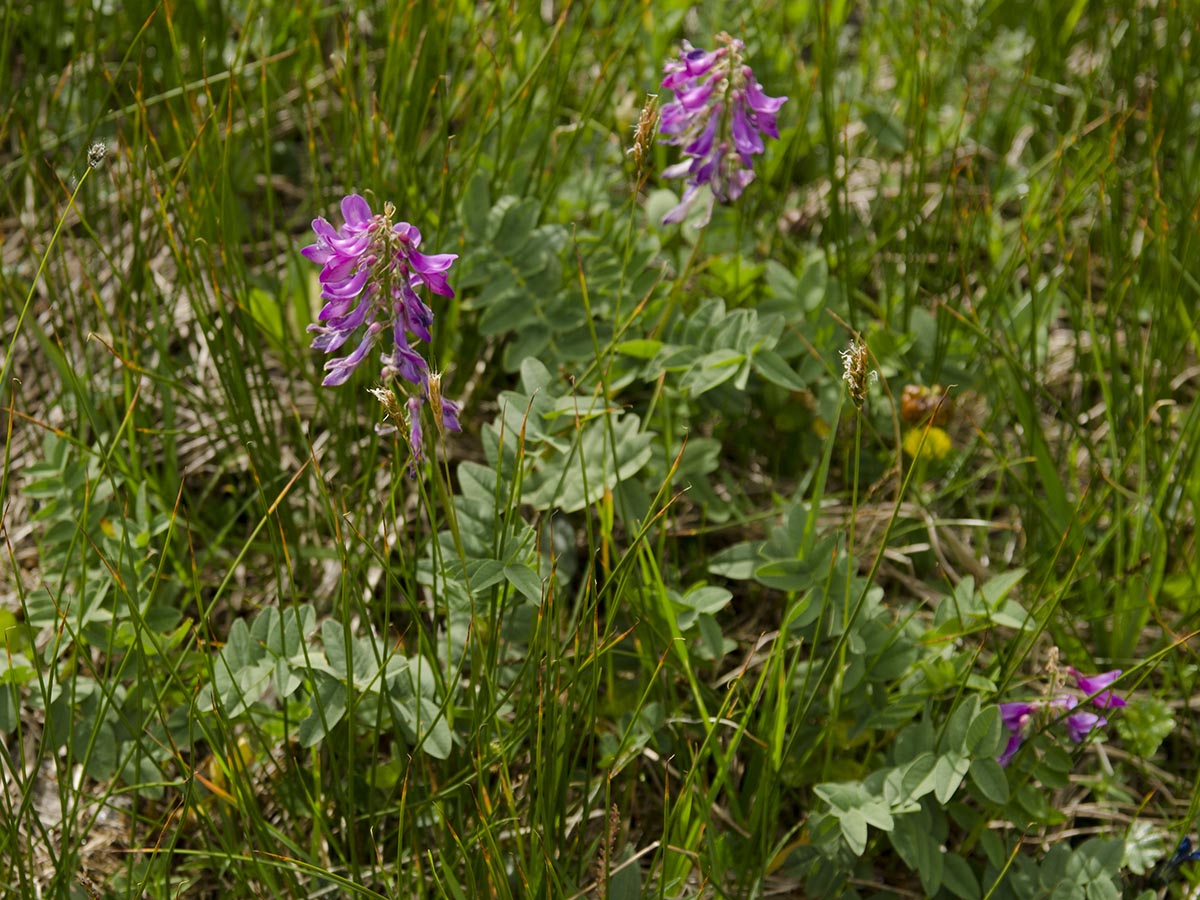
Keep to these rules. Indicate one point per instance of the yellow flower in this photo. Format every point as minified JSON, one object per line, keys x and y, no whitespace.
{"x":937,"y":444}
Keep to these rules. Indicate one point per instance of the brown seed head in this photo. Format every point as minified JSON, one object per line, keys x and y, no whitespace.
{"x":856,"y":372}
{"x":435,"y":402}
{"x":96,"y":154}
{"x":643,"y":135}
{"x":391,"y":406}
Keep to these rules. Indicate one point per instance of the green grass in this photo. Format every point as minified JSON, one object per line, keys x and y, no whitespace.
{"x":672,"y":617}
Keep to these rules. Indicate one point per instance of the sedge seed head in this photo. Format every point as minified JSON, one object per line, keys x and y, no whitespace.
{"x":856,"y":372}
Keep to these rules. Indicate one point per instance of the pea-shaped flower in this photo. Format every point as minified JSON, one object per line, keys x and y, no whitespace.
{"x":719,"y":116}
{"x":372,"y":278}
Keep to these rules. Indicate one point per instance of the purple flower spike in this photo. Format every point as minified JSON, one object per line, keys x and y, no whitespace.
{"x":719,"y":117}
{"x":372,"y":275}
{"x":1096,"y":684}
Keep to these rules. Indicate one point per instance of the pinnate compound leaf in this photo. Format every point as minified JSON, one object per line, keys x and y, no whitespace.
{"x":711,"y":370}
{"x":855,"y":807}
{"x":558,"y":481}
{"x":775,"y":369}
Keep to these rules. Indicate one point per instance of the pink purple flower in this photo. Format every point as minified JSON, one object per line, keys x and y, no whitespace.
{"x":450,"y":411}
{"x":1015,"y":740}
{"x":372,"y":279}
{"x":1095,"y":685}
{"x":719,"y":116}
{"x":415,"y":439}
{"x":1015,"y":717}
{"x":1080,"y":723}
{"x":1019,"y":718}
